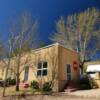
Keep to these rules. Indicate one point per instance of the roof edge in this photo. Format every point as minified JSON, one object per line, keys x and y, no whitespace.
{"x":54,"y":44}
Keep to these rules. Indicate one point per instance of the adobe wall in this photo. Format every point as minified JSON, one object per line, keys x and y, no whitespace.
{"x":67,"y":56}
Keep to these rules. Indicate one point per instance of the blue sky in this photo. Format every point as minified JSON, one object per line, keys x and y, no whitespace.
{"x":47,"y":12}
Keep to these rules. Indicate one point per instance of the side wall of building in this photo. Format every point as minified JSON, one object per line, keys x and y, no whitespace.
{"x":67,"y":56}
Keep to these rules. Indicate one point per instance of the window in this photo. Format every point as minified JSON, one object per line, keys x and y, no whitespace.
{"x":39,"y":65}
{"x":68,"y":72}
{"x":26,"y":73}
{"x":68,"y":69}
{"x":42,"y":69}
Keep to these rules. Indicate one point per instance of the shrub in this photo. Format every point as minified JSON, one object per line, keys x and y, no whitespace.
{"x":8,"y":79}
{"x":11,"y":81}
{"x":23,"y":94}
{"x":84,"y":82}
{"x":94,"y":83}
{"x":47,"y":86}
{"x":35,"y":84}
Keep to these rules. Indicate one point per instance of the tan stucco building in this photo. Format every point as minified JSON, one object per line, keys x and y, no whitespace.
{"x":51,"y":63}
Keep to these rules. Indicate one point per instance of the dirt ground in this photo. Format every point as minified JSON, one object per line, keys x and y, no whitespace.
{"x":93,"y":94}
{"x":46,"y":97}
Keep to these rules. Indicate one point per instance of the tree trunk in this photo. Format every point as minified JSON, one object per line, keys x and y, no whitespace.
{"x":81,"y":67}
{"x":17,"y":76}
{"x":5,"y":81}
{"x":17,"y":82}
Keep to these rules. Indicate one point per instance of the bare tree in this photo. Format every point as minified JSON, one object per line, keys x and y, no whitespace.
{"x":1,"y":50}
{"x":22,"y":39}
{"x":6,"y":59}
{"x":78,"y":32}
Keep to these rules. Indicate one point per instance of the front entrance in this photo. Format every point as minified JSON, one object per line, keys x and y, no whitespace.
{"x":68,"y":70}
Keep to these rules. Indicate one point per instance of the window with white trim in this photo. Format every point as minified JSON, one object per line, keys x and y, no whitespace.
{"x":42,"y":69}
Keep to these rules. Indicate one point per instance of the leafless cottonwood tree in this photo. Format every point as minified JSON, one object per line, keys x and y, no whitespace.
{"x":6,"y":59}
{"x":78,"y":32}
{"x":1,"y":49}
{"x":2,"y":55}
{"x":22,"y":39}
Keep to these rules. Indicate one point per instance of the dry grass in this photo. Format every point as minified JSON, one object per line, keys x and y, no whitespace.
{"x":27,"y":91}
{"x":11,"y":91}
{"x":11,"y":94}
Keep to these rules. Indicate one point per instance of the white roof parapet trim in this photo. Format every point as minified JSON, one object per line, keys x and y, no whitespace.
{"x":51,"y":46}
{"x":46,"y":47}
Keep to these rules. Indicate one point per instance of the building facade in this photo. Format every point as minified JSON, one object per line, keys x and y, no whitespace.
{"x":51,"y":63}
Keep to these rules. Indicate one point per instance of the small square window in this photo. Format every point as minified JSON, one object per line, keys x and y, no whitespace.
{"x":39,"y":72}
{"x":45,"y":65}
{"x":39,"y":65}
{"x":42,"y":69}
{"x":44,"y":72}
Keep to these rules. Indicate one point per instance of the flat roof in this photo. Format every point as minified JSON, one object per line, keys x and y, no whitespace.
{"x":54,"y":44}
